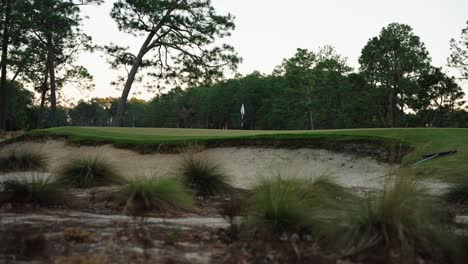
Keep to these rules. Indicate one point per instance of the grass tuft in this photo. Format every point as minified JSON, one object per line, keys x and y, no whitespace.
{"x":36,"y":190}
{"x":204,"y":176}
{"x":402,"y":221}
{"x":287,"y":204}
{"x":86,"y":172}
{"x":163,"y":194}
{"x":458,"y":192}
{"x":23,"y":159}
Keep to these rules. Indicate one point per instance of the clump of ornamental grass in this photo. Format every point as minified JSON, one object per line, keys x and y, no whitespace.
{"x":458,"y":192}
{"x":87,"y":172}
{"x":145,"y":194}
{"x":23,"y":159}
{"x":204,"y":176}
{"x":287,"y":204}
{"x":41,"y":191}
{"x":402,"y":222}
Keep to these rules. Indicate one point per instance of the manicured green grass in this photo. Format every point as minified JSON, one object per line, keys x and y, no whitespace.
{"x":423,"y":140}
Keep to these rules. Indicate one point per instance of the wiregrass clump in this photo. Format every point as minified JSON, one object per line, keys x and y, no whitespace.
{"x":23,"y":159}
{"x":458,"y":192}
{"x":204,"y":176}
{"x":87,"y":172}
{"x":402,"y":222}
{"x":144,"y":194}
{"x":288,"y":204}
{"x":35,"y":190}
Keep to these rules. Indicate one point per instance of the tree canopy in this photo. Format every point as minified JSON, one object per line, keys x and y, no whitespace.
{"x":393,"y":62}
{"x":459,"y":56}
{"x":183,"y":60}
{"x":180,"y":36}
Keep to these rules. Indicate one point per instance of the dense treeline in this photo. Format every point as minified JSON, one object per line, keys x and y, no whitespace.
{"x":310,"y":90}
{"x":394,"y":86}
{"x":336,"y":98}
{"x":341,"y":101}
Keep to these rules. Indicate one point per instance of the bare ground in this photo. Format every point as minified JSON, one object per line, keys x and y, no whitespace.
{"x":93,"y":229}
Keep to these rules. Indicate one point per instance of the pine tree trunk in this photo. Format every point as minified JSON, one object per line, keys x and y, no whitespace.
{"x":118,"y":118}
{"x":51,"y":66}
{"x":391,"y":111}
{"x":40,"y":118}
{"x":3,"y":81}
{"x":311,"y":121}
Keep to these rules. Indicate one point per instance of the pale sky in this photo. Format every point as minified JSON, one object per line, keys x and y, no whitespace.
{"x":268,"y":31}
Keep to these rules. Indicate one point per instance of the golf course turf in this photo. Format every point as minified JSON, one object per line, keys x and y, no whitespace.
{"x":421,"y":140}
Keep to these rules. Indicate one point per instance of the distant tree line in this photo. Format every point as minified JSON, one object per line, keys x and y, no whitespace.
{"x":394,"y":86}
{"x":309,"y":90}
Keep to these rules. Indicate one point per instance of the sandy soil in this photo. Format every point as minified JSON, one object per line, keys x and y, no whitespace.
{"x":103,"y":234}
{"x":246,"y":165}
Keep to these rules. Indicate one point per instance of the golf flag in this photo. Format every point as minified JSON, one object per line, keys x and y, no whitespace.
{"x":242,"y":115}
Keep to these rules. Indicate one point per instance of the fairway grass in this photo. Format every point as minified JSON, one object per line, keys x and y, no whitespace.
{"x":422,"y":140}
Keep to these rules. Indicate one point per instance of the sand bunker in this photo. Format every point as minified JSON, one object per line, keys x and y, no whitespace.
{"x":246,"y":165}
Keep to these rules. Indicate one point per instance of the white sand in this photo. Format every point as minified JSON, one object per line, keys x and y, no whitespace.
{"x":246,"y":165}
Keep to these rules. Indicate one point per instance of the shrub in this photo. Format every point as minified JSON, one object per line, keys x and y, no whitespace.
{"x":155,"y":193}
{"x":402,"y":220}
{"x":23,"y":159}
{"x":86,"y":172}
{"x":204,"y":176}
{"x":36,"y":190}
{"x":288,"y":204}
{"x":458,"y":192}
